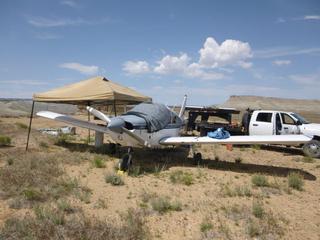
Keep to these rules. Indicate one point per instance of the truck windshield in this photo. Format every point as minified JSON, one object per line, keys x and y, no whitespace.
{"x":298,"y":117}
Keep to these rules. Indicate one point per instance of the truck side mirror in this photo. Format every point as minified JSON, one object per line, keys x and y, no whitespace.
{"x":299,"y":122}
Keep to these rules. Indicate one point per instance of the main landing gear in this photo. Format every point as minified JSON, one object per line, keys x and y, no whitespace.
{"x":126,"y":161}
{"x":197,"y":157}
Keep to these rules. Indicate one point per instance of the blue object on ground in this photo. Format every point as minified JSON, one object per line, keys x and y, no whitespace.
{"x":220,"y":133}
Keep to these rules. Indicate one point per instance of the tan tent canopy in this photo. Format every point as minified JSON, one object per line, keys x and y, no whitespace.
{"x":97,"y":89}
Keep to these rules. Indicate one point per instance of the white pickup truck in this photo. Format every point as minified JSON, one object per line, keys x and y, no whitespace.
{"x":265,"y":122}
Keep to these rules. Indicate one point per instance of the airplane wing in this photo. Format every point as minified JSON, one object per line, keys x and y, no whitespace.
{"x":241,"y":140}
{"x":72,"y":121}
{"x":88,"y":125}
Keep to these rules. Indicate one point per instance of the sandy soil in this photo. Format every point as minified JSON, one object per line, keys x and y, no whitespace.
{"x":297,"y":212}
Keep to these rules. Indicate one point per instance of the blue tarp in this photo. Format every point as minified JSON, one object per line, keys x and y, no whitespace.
{"x":157,"y":116}
{"x":220,"y":133}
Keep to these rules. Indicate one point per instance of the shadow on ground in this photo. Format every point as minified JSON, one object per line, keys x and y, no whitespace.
{"x":150,"y":160}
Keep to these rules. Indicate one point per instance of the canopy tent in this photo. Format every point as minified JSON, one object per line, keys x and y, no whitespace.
{"x":97,"y":90}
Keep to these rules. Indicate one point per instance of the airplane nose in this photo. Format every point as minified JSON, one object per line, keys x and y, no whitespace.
{"x":116,"y":124}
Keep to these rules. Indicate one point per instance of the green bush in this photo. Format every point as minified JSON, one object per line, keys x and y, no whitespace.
{"x":163,"y":205}
{"x":5,"y":140}
{"x":259,"y":180}
{"x":98,"y":162}
{"x":21,"y":125}
{"x":181,"y":177}
{"x":206,"y":226}
{"x":257,"y":209}
{"x":114,"y":179}
{"x":295,"y":180}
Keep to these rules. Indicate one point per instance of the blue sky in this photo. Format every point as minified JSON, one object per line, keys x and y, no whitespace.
{"x":164,"y":49}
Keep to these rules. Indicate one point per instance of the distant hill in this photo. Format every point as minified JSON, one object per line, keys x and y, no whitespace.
{"x":310,"y":109}
{"x":22,"y":107}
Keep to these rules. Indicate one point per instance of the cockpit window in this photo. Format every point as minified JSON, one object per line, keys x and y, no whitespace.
{"x":300,"y":118}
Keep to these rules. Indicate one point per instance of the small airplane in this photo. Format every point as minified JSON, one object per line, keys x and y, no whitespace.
{"x":154,"y":125}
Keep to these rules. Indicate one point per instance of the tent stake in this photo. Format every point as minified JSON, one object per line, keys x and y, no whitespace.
{"x":30,"y":123}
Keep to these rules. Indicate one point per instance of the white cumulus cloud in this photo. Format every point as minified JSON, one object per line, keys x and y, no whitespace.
{"x":281,"y":62}
{"x":212,"y":61}
{"x":84,"y":69}
{"x":136,"y":67}
{"x":172,"y":64}
{"x":181,"y":65}
{"x":230,"y":52}
{"x":311,"y":17}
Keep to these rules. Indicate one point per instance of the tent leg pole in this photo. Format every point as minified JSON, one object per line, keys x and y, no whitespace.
{"x":30,"y":123}
{"x":114,"y":108}
{"x":88,"y":121}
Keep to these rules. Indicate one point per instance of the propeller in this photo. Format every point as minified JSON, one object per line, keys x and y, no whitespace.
{"x":98,"y":114}
{"x":116,"y":124}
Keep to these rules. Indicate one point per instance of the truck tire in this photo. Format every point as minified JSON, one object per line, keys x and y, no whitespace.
{"x":312,"y":149}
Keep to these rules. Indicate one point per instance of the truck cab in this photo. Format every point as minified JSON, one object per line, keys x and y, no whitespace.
{"x":269,"y":122}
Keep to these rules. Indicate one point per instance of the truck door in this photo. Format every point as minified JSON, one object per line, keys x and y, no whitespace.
{"x":261,"y":124}
{"x":288,"y":125}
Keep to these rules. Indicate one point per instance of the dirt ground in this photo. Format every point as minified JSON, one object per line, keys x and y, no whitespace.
{"x":218,"y":199}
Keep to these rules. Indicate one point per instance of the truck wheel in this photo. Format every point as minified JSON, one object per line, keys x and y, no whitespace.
{"x":312,"y":149}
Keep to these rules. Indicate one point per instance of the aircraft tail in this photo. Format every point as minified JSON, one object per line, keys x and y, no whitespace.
{"x":183,"y":106}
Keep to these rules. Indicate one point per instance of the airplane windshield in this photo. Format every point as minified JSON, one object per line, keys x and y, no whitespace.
{"x":300,"y":118}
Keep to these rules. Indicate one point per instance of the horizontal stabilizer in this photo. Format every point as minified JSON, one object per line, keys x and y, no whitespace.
{"x":243,"y":140}
{"x":71,"y":120}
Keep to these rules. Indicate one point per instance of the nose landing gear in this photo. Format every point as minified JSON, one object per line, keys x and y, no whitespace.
{"x":126,"y":161}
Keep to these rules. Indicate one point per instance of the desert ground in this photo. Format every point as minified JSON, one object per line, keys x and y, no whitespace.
{"x":64,"y":188}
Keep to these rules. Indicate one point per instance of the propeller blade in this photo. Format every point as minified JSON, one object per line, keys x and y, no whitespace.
{"x":136,"y":137}
{"x":98,"y":114}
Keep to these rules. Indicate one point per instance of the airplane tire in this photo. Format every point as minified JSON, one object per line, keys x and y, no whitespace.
{"x":125,"y":162}
{"x":197,"y":158}
{"x":312,"y":149}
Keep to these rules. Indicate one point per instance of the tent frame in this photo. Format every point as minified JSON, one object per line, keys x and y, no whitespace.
{"x":113,"y":103}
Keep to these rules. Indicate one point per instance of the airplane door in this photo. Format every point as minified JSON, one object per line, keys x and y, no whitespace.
{"x":288,"y":125}
{"x":262,"y":124}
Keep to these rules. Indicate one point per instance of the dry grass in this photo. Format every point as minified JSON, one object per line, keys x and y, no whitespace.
{"x":181,"y":177}
{"x":54,"y":222}
{"x":34,"y":178}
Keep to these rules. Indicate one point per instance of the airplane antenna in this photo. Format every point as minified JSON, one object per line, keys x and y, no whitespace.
{"x":183,"y":106}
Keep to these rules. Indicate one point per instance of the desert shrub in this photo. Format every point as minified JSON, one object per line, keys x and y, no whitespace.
{"x":114,"y":179}
{"x":135,"y":171}
{"x":65,"y":206}
{"x":5,"y":140}
{"x":163,"y":205}
{"x":206,"y":225}
{"x":266,"y":227}
{"x":256,"y":147}
{"x":237,"y":191}
{"x":181,"y":177}
{"x":259,"y":180}
{"x":62,"y":139}
{"x":22,"y":125}
{"x":98,"y":162}
{"x":35,"y":177}
{"x":257,"y":209}
{"x":43,"y":144}
{"x":295,"y":180}
{"x":51,"y":222}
